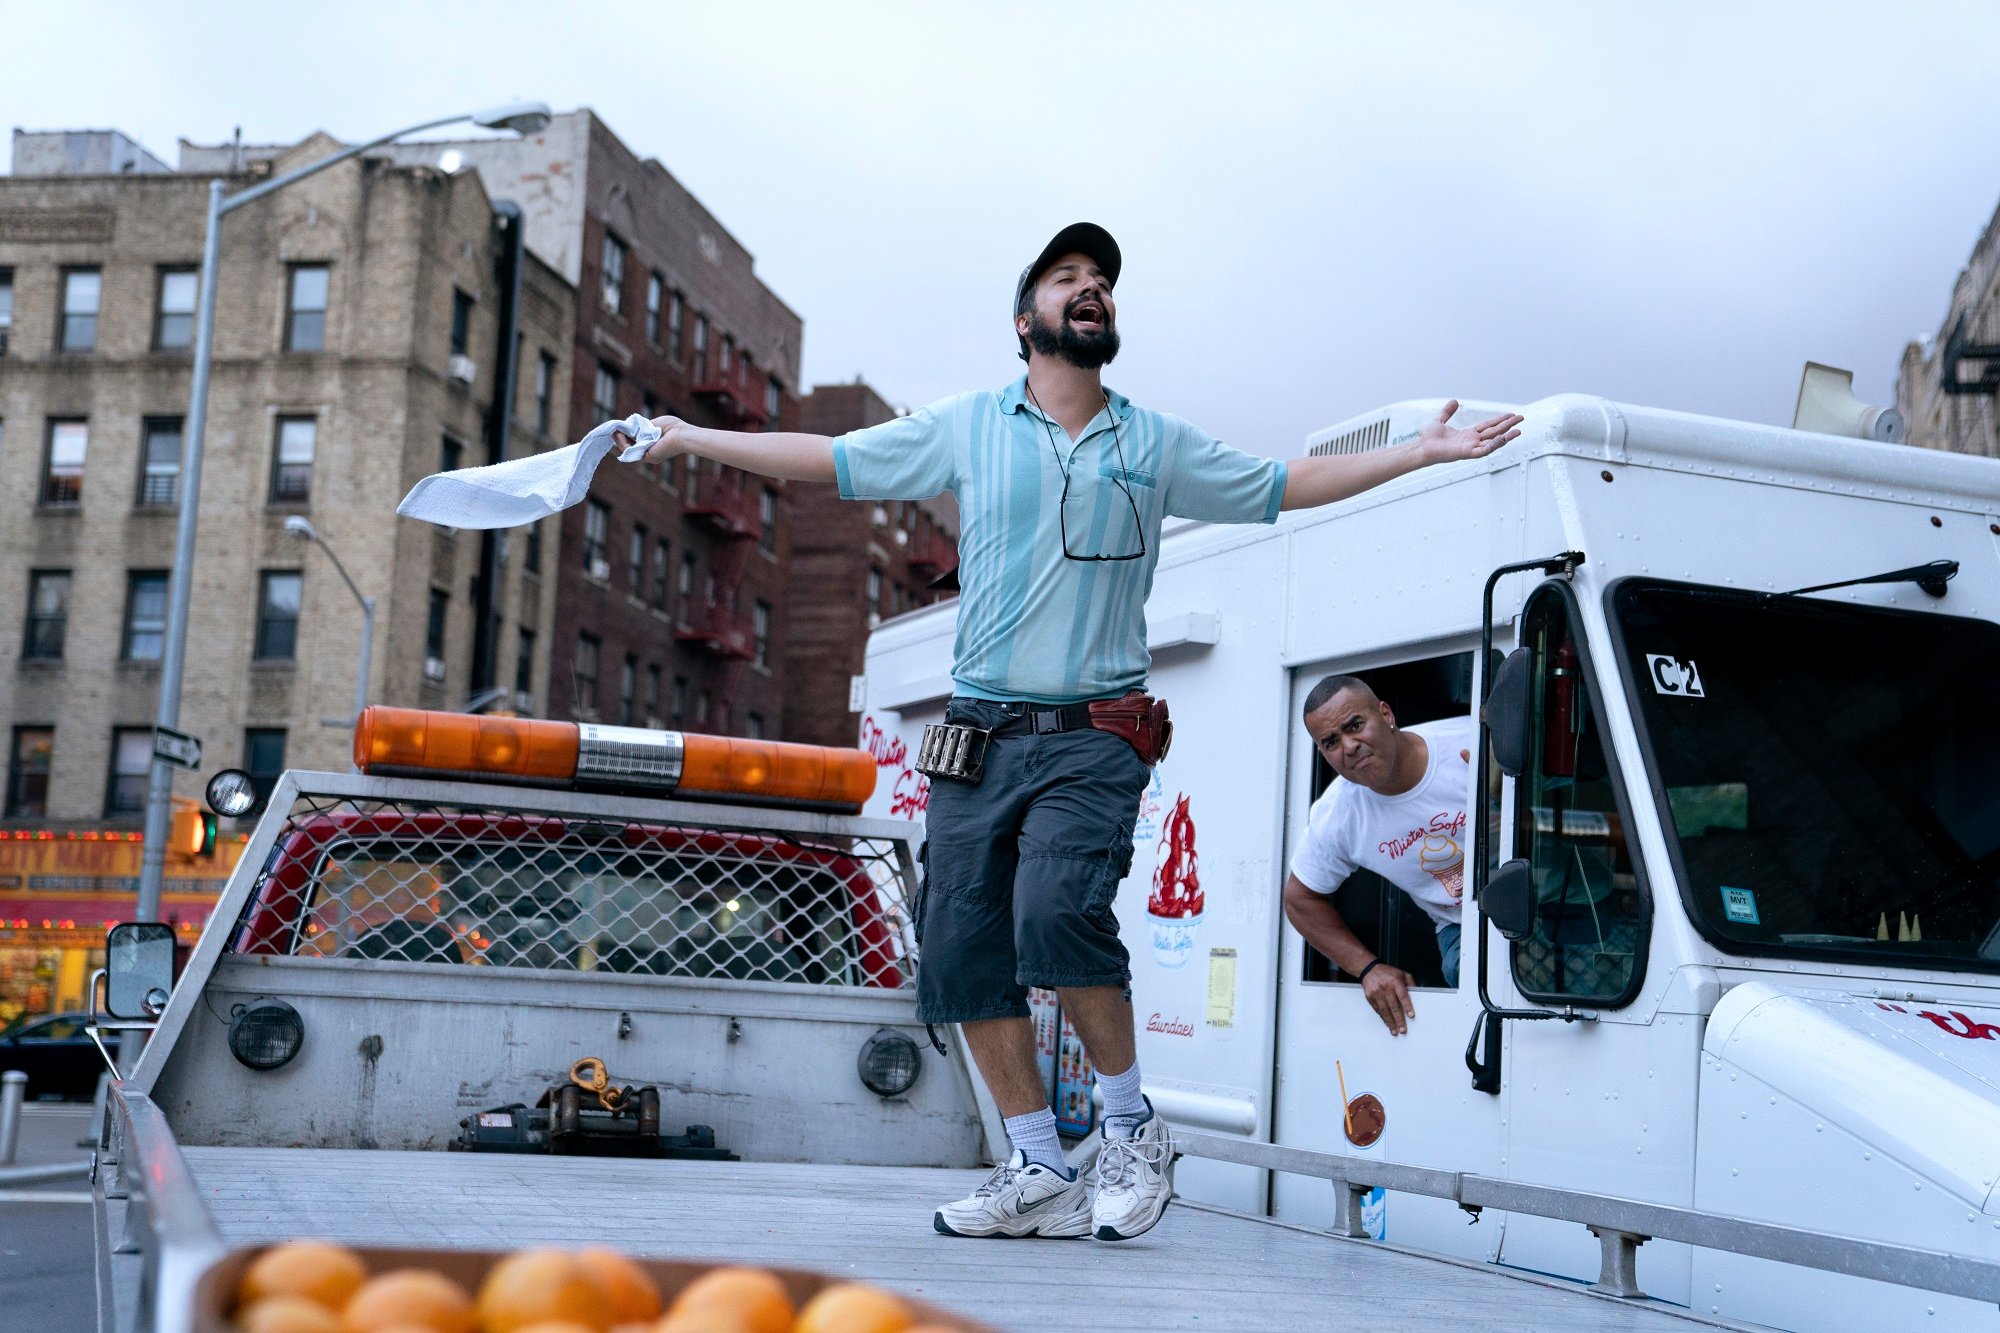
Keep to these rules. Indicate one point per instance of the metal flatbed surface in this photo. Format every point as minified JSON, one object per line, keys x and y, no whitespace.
{"x":1199,"y":1269}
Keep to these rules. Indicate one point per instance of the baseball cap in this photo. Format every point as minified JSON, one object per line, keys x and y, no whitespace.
{"x":1086,"y":238}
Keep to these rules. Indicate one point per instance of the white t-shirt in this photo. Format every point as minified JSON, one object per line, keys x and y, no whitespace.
{"x":1416,"y":840}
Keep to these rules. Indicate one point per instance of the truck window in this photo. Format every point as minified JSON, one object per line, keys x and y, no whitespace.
{"x":1591,"y":910}
{"x":1832,"y":771}
{"x":1380,"y":914}
{"x":496,"y":890}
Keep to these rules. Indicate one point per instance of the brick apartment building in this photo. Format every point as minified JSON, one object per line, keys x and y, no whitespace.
{"x":854,"y":565}
{"x":358,"y":340}
{"x":671,"y":585}
{"x":1946,"y":386}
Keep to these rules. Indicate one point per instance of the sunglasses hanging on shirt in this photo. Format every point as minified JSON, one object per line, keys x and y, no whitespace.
{"x":1062,"y":512}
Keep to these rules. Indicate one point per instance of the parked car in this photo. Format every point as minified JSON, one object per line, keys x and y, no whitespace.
{"x":57,"y":1055}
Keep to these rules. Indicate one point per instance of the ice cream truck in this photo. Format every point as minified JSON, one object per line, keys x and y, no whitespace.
{"x":1730,"y":872}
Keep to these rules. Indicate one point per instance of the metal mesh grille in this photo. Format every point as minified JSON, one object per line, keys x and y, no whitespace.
{"x":466,"y":886}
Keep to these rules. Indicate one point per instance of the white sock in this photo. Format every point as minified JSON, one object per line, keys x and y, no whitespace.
{"x":1122,"y":1098}
{"x":1035,"y":1135}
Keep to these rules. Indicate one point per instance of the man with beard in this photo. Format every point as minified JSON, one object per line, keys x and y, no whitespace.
{"x":1061,"y":487}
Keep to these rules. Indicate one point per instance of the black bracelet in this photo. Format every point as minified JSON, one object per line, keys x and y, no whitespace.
{"x":1362,"y":975}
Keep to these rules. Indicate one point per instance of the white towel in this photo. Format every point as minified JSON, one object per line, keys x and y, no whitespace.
{"x":521,"y":490}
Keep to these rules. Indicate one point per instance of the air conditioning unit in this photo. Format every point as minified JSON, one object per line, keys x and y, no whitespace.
{"x":601,"y":569}
{"x":433,"y":668}
{"x":902,"y":537}
{"x":524,"y":701}
{"x":461,"y":368}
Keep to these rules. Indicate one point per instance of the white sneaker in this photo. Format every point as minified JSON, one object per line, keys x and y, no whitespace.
{"x":1020,"y":1199}
{"x":1135,"y":1178}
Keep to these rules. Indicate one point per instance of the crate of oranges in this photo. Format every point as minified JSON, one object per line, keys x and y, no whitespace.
{"x":319,"y":1287}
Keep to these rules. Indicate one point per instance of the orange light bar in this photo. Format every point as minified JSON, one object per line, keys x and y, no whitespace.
{"x":418,"y":741}
{"x":777,"y":770}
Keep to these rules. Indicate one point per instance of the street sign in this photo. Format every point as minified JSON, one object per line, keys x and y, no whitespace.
{"x":176,"y":747}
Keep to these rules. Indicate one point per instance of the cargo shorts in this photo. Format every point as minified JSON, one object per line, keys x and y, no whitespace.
{"x":1020,"y":870}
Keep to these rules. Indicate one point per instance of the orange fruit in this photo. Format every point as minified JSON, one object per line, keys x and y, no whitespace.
{"x":635,"y":1298}
{"x":317,"y":1270}
{"x":853,"y":1307}
{"x":536,"y":1286}
{"x":287,"y":1314}
{"x":558,"y":1326}
{"x":410,"y":1296}
{"x":753,"y":1298}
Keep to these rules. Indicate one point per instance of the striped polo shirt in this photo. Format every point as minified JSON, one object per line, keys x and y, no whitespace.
{"x":1032,"y":624}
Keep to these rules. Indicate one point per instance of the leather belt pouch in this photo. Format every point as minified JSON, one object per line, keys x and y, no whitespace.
{"x":1138,"y":718}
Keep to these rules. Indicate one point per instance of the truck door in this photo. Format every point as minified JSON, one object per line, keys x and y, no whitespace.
{"x":1605,"y":1104}
{"x":1429,"y":1114}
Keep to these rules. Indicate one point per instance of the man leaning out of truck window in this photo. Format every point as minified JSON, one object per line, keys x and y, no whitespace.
{"x":1397,"y":807}
{"x":1061,"y":485}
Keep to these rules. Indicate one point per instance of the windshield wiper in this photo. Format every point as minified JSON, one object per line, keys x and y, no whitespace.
{"x":1931,"y":578}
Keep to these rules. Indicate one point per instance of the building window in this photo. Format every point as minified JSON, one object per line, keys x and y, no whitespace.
{"x":450,"y":454}
{"x":531,"y":550}
{"x":654,"y":287}
{"x":676,"y":322}
{"x":701,"y":709}
{"x":701,"y":349}
{"x":131,"y":771}
{"x":653,"y":694}
{"x":461,"y":323}
{"x":160,"y":462}
{"x":524,"y":662}
{"x":597,"y":539}
{"x":62,"y":477}
{"x":628,"y":687}
{"x":874,"y":597}
{"x":584,"y":671}
{"x":292,"y":459}
{"x":635,"y":563}
{"x":434,"y":632}
{"x":278,"y":615}
{"x":145,"y":616}
{"x":48,"y":615}
{"x":753,"y":726}
{"x":173,"y":324}
{"x":680,"y":699}
{"x":605,"y":397}
{"x":305,"y":308}
{"x":264,"y":759}
{"x":767,"y":519}
{"x":661,"y":568}
{"x":545,"y":382}
{"x":613,"y":272}
{"x":774,"y":399}
{"x":83,"y":290}
{"x":723,"y":364}
{"x":28,"y":765}
{"x":760,"y":617}
{"x":7,"y":307}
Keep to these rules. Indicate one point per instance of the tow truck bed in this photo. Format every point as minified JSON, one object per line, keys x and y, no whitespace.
{"x":1201,"y":1269}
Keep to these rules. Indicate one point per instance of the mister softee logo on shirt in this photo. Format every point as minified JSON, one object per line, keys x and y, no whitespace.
{"x":1443,"y":823}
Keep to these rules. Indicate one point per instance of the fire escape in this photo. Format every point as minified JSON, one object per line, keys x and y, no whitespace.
{"x":729,"y":504}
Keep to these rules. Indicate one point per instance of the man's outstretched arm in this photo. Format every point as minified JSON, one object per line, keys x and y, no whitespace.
{"x":788,"y":455}
{"x":1310,"y":482}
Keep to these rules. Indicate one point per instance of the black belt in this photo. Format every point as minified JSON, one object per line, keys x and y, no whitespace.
{"x":1044,"y":720}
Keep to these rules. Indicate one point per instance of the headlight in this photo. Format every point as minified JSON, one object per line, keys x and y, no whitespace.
{"x":231,"y":793}
{"x":266,"y":1034}
{"x":889,"y":1063}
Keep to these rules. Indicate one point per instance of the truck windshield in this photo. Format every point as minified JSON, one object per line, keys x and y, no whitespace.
{"x":1832,"y":771}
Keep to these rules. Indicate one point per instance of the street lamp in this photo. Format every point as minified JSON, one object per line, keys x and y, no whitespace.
{"x":301,"y":527}
{"x":519,"y":117}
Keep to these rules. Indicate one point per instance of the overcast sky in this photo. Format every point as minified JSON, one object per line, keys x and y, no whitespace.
{"x":1323,"y":207}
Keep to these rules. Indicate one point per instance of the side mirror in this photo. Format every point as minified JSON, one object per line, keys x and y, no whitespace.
{"x":1509,"y":899}
{"x":1507,"y":713}
{"x":139,"y":969}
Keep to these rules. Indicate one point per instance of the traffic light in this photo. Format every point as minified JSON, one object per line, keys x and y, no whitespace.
{"x":191,"y":835}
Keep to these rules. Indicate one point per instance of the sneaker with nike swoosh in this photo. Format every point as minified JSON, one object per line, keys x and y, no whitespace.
{"x":1020,"y":1199}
